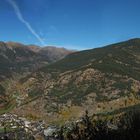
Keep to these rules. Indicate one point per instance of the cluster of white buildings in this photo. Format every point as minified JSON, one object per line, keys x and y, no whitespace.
{"x":12,"y":121}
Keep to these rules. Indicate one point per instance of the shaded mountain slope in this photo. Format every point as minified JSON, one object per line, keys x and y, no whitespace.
{"x":18,"y":58}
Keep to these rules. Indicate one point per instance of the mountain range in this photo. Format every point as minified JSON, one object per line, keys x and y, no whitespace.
{"x":65,"y":86}
{"x":19,"y":58}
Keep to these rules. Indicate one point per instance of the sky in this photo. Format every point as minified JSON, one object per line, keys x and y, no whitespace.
{"x":73,"y":24}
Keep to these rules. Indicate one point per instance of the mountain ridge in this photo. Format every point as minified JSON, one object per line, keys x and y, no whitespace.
{"x":17,"y":57}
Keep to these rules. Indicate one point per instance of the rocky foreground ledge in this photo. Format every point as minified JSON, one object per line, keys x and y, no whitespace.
{"x":119,"y":126}
{"x":14,"y":127}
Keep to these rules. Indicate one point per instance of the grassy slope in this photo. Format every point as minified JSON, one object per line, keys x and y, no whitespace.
{"x":122,"y":58}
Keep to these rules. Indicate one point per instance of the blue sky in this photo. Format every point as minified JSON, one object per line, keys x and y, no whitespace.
{"x":74,"y":24}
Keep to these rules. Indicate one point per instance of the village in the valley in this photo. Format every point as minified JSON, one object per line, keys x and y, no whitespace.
{"x":14,"y":127}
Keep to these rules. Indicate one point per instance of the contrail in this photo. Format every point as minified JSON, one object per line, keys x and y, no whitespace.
{"x":27,"y":24}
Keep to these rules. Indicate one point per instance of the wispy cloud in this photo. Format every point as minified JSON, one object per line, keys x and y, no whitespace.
{"x":25,"y":22}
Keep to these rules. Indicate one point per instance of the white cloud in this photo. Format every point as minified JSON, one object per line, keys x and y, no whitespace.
{"x":26,"y":23}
